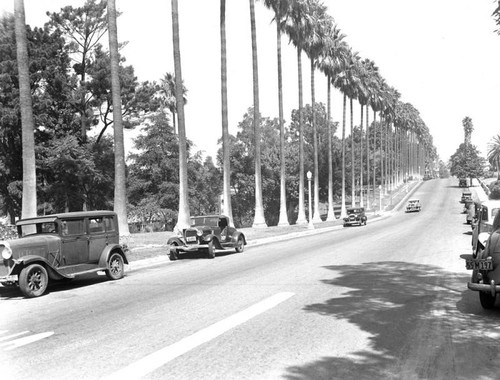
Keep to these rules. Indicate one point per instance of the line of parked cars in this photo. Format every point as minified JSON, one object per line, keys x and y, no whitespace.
{"x":485,"y":266}
{"x":63,"y":246}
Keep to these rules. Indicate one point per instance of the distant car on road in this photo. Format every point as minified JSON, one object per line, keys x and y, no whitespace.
{"x":61,"y":246}
{"x":413,"y":205}
{"x":466,"y":197}
{"x":462,"y":182}
{"x":355,"y":215}
{"x":207,"y":233}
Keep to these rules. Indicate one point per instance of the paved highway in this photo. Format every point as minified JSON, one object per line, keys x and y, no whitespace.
{"x":385,"y":301}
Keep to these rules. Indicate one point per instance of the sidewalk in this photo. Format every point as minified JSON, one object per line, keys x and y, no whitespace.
{"x":155,"y":251}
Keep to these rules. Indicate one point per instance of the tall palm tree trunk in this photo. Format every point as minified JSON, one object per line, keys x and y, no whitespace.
{"x":259,"y":220}
{"x":367,"y":159}
{"x":361,"y":203}
{"x":120,"y":201}
{"x":331,"y":214}
{"x":343,"y":211}
{"x":283,"y":220}
{"x":301,"y":218}
{"x":27,"y":130}
{"x":183,"y":217}
{"x":353,"y":165}
{"x":316,"y":217}
{"x":374,"y":155}
{"x":226,"y":167}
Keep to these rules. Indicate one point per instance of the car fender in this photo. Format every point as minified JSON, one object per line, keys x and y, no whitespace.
{"x":215,"y":240}
{"x":106,"y":253}
{"x":23,"y":262}
{"x":235,"y":236}
{"x":175,"y":240}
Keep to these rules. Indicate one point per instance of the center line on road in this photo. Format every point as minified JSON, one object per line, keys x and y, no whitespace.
{"x":161,"y":357}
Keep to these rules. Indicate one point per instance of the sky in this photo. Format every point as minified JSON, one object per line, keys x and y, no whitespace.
{"x":441,"y":55}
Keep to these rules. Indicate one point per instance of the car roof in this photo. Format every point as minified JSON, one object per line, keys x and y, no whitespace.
{"x":495,"y":203}
{"x":414,"y":200}
{"x":210,"y":216}
{"x":65,"y":215}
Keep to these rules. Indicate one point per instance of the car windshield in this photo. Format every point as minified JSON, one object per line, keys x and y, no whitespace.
{"x":38,"y":228}
{"x":205,"y":221}
{"x":354,"y":210}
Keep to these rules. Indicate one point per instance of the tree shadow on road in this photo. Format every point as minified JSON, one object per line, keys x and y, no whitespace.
{"x":422,"y":323}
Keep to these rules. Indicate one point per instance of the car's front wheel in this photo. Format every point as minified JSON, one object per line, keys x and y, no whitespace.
{"x":172,"y":254}
{"x":33,"y":280}
{"x":211,"y":250}
{"x":116,"y":268}
{"x":487,"y":300}
{"x":240,"y":245}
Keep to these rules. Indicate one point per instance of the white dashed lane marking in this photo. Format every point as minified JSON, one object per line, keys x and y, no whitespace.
{"x":161,"y":357}
{"x":7,"y":343}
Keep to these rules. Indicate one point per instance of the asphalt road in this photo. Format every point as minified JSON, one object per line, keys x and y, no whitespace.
{"x":383,"y":301}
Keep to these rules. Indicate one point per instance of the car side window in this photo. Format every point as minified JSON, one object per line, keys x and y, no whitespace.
{"x":484,"y":215}
{"x":96,"y":225}
{"x":109,"y":222}
{"x":72,"y":227}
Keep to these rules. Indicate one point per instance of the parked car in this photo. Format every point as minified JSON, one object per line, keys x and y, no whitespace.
{"x":462,"y":182}
{"x":206,"y":234}
{"x":470,"y":210}
{"x":61,"y":246}
{"x":484,"y":224}
{"x":466,"y":197}
{"x":485,"y":272}
{"x":413,"y":205}
{"x":355,"y":215}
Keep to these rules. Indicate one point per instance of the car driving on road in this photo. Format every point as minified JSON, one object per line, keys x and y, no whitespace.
{"x":61,"y":246}
{"x":355,"y":215}
{"x":206,"y":234}
{"x":413,"y":205}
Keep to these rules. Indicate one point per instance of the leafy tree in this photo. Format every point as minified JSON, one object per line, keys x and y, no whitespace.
{"x":467,"y":163}
{"x":494,"y":153}
{"x":83,"y":27}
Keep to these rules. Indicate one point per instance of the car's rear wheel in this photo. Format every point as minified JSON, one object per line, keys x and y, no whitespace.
{"x":172,"y":254}
{"x":240,"y":245}
{"x":116,"y":268}
{"x":487,"y":300}
{"x":33,"y":280}
{"x":211,"y":250}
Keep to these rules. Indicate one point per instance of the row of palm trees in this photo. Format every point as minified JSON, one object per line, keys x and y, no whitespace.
{"x":404,"y":142}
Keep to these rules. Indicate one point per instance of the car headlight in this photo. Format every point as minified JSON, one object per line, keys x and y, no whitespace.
{"x":199,"y":232}
{"x":6,"y":251}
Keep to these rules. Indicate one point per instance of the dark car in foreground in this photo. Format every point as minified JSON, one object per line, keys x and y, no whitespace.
{"x":59,"y":247}
{"x":355,"y":215}
{"x":206,"y":234}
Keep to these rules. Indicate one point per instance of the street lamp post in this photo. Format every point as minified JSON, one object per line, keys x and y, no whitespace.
{"x":309,"y":176}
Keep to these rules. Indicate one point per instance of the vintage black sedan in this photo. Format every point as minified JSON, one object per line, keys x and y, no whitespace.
{"x":206,"y":234}
{"x":355,"y":215}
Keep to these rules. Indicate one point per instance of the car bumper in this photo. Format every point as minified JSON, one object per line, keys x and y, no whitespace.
{"x":9,"y":278}
{"x":490,"y":288}
{"x":190,"y":248}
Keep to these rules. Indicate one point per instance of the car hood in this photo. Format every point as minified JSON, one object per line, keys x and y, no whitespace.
{"x":37,"y":245}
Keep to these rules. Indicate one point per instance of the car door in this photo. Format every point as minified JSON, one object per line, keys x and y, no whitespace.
{"x":97,"y":237}
{"x":74,"y":243}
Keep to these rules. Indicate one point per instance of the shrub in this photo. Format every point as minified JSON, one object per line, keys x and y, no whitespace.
{"x":494,"y":190}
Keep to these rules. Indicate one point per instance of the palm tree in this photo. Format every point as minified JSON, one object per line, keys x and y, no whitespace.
{"x":332,"y":62}
{"x":226,"y":166}
{"x":315,"y":45}
{"x":280,"y":8}
{"x":120,"y":200}
{"x":28,"y":139}
{"x":297,"y":29}
{"x":169,"y":89}
{"x":183,"y":217}
{"x":259,"y":220}
{"x":494,"y":153}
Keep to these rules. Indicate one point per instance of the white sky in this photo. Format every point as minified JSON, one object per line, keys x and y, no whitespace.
{"x":441,"y":55}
